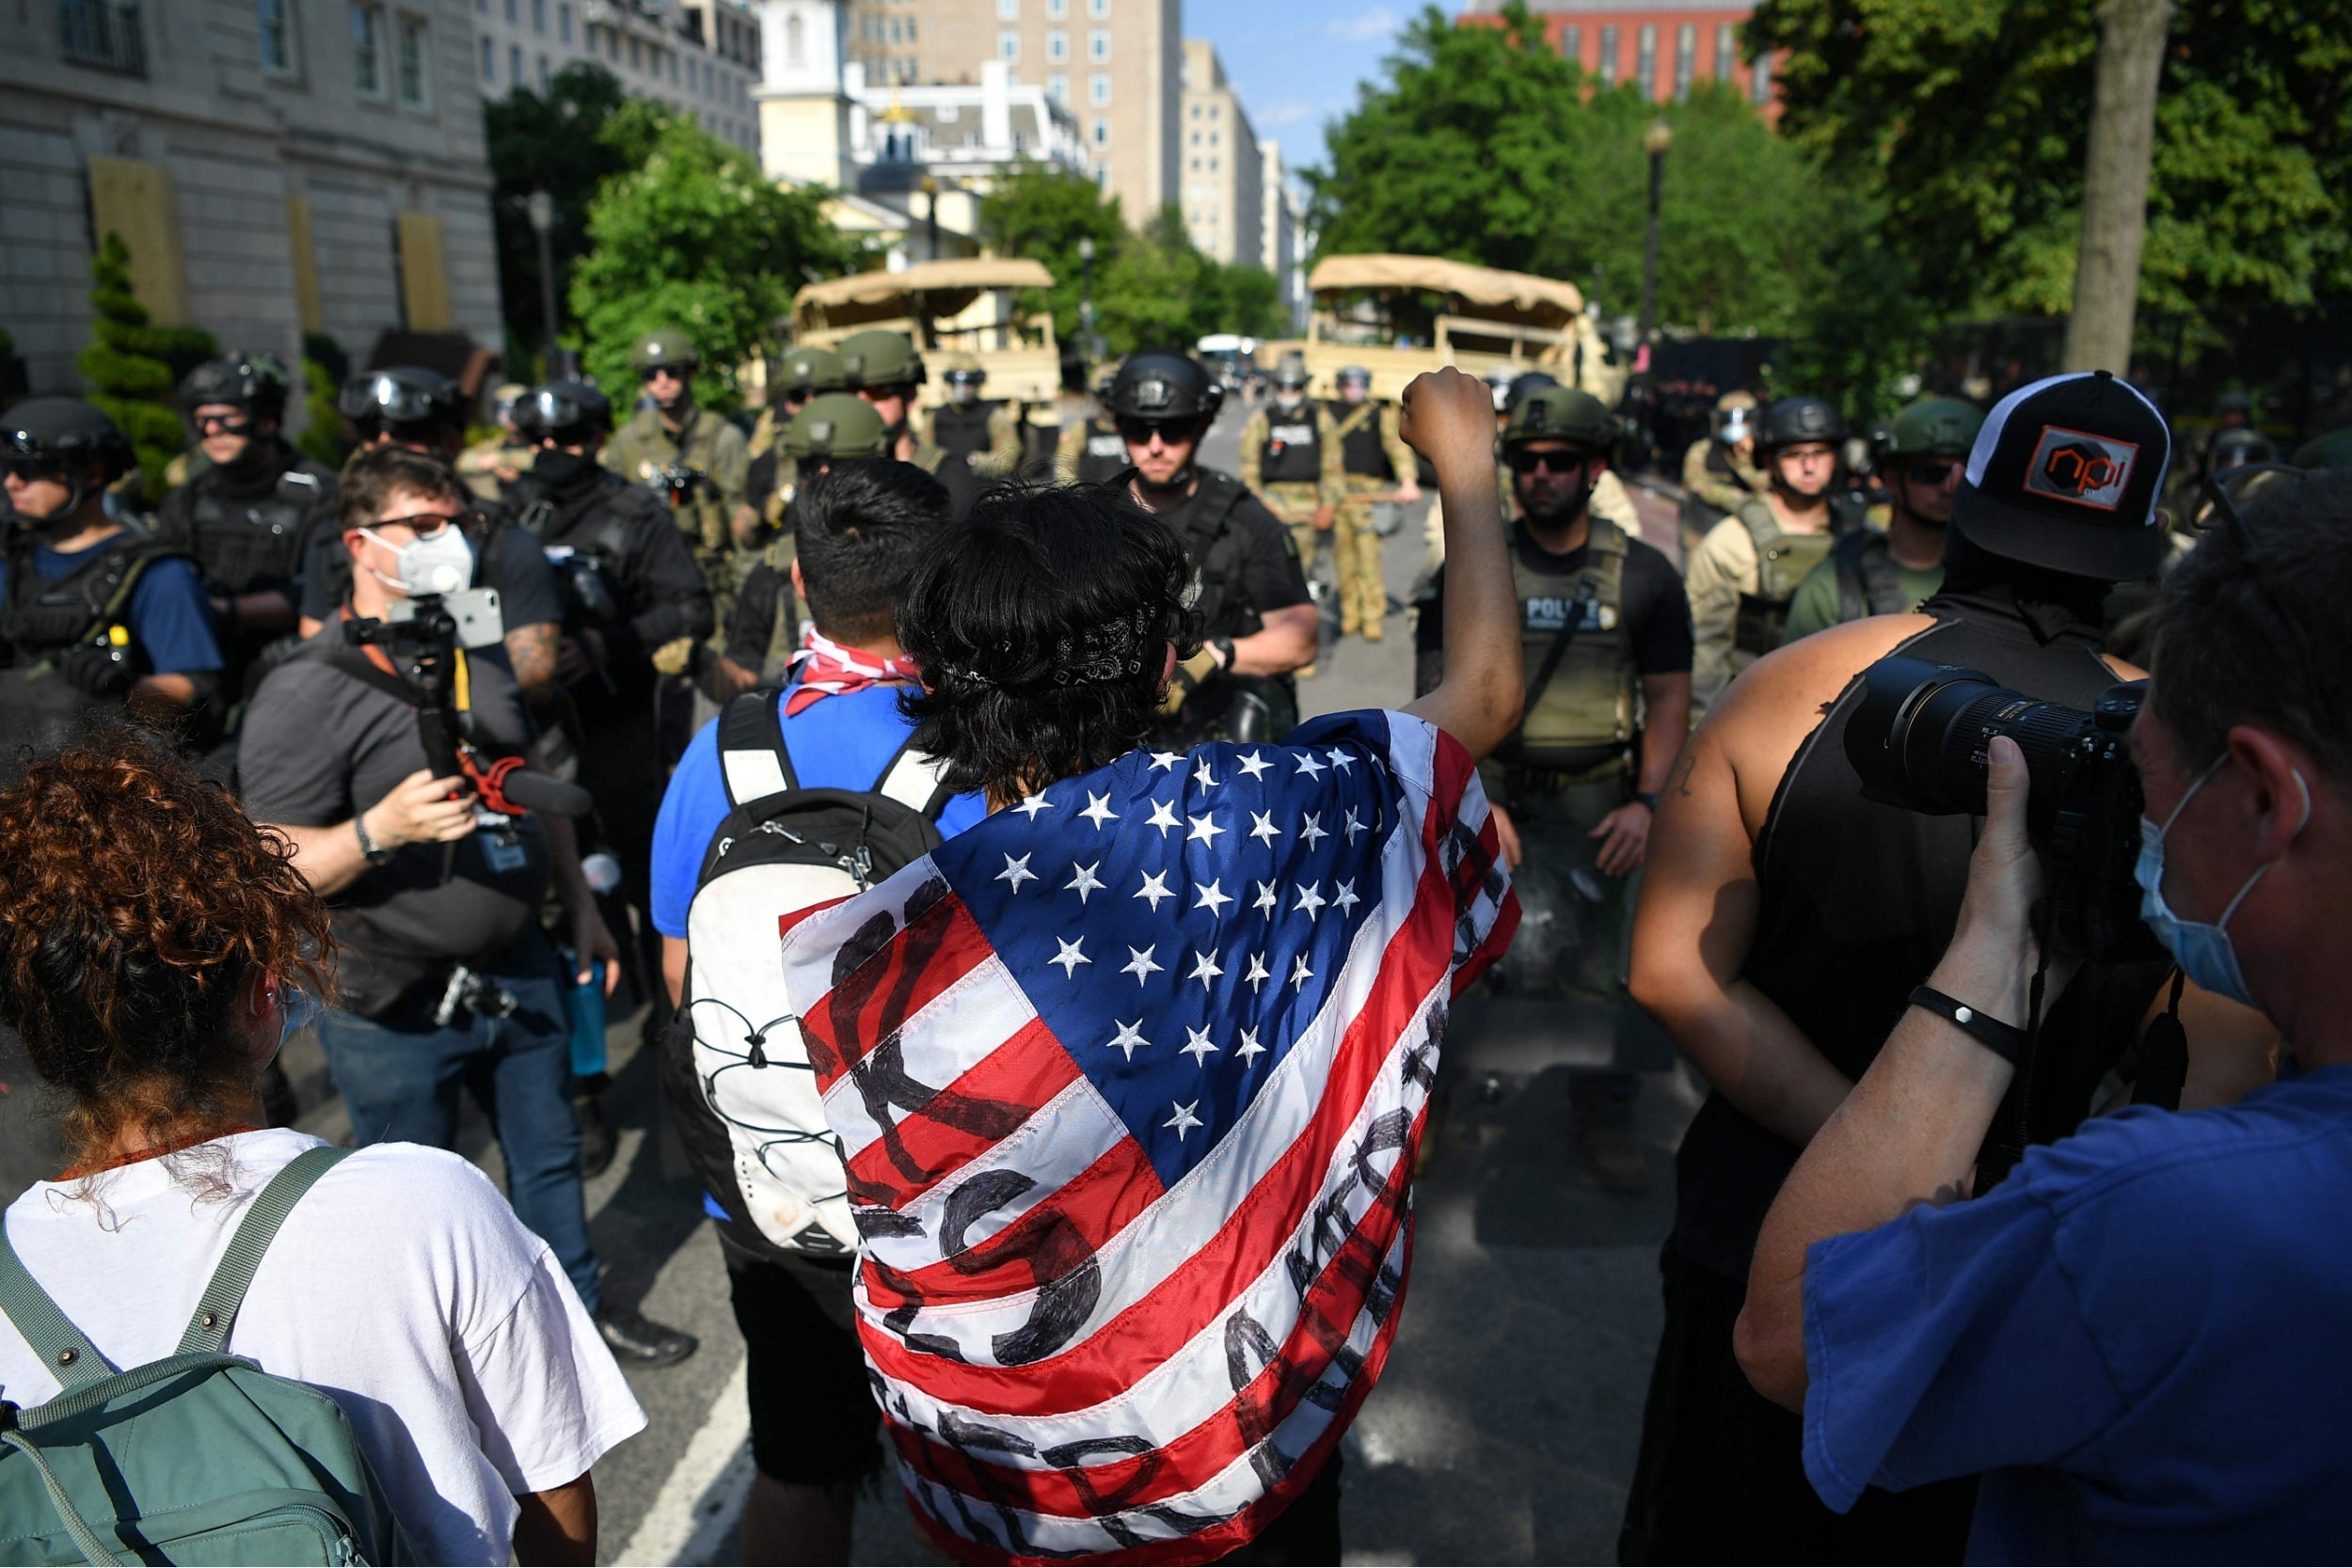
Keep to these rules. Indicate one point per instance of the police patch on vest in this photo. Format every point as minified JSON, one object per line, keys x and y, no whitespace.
{"x":2084,"y":470}
{"x":1107,"y":446}
{"x":1290,"y":434}
{"x":1551,"y":612}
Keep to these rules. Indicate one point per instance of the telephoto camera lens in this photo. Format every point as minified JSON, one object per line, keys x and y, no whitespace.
{"x":1921,"y":740}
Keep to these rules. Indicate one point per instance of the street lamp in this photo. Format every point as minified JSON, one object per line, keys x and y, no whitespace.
{"x":929,"y":188}
{"x":1085,"y":298}
{"x":540,"y":207}
{"x":1656,"y":140}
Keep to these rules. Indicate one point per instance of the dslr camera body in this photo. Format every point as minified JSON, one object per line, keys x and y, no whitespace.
{"x":1921,"y":741}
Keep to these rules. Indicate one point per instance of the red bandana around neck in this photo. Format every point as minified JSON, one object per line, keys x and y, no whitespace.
{"x":829,"y":669}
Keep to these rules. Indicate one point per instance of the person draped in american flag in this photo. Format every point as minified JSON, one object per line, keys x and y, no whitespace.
{"x":1129,"y":1077}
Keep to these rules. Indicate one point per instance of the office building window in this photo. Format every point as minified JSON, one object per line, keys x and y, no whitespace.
{"x":1057,"y":88}
{"x":1008,"y":10}
{"x":416,"y":62}
{"x":543,"y":75}
{"x":1217,"y":111}
{"x":1572,"y":43}
{"x":489,"y":61}
{"x":1606,"y":67}
{"x":1056,"y":9}
{"x":1057,"y":45}
{"x":514,"y":65}
{"x":636,"y":56}
{"x":1645,"y":60}
{"x":673,"y":65}
{"x":275,"y":27}
{"x":1760,"y":85}
{"x":1685,"y":59}
{"x":1726,"y":52}
{"x":538,"y":16}
{"x":1099,"y":44}
{"x":1098,"y":90}
{"x":1101,"y":131}
{"x":1098,"y":9}
{"x":1008,"y":46}
{"x":564,"y":21}
{"x":367,"y":49}
{"x":510,"y":18}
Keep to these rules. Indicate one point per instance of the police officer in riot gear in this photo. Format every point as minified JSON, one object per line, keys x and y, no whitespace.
{"x":1606,"y":640}
{"x":1921,"y":454}
{"x":763,"y":628}
{"x":984,"y":434}
{"x":1090,"y":452}
{"x":96,"y":616}
{"x":1290,"y":455}
{"x":1747,"y":568}
{"x":423,"y":411}
{"x":247,"y":517}
{"x":1257,"y":623}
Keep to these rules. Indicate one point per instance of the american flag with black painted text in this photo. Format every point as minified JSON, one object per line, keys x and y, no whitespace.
{"x":1130,"y":1079}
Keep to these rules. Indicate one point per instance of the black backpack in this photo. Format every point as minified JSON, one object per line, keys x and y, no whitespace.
{"x":734,"y":1066}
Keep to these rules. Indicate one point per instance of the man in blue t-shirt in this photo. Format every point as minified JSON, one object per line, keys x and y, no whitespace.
{"x":94,"y":616}
{"x":2138,"y":1338}
{"x":862,"y":526}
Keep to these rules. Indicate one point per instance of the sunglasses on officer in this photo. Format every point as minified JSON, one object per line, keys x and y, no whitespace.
{"x":655,"y":372}
{"x":1930,"y":471}
{"x":1524,"y":460}
{"x":1171,"y":433}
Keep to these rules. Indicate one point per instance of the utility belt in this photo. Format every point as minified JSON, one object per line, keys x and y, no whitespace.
{"x":1533,"y":778}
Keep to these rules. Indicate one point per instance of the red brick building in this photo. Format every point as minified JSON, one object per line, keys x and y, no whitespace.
{"x":1664,"y":47}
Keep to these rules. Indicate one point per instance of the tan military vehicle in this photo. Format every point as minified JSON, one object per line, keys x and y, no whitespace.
{"x":1487,"y":322}
{"x":968,"y":306}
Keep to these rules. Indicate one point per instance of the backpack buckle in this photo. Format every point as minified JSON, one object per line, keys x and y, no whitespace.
{"x":8,"y":1416}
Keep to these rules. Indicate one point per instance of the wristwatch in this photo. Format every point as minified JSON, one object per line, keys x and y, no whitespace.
{"x":375,"y":853}
{"x":1224,"y":647}
{"x":1649,"y":798}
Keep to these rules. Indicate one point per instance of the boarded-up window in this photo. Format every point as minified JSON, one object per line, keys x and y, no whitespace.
{"x":423,"y":277}
{"x":133,"y":197}
{"x":306,"y":264}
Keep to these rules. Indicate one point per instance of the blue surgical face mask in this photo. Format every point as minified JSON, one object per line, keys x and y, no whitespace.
{"x":2204,"y":952}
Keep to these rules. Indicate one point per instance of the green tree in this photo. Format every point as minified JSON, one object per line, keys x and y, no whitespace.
{"x":553,"y":143}
{"x":1041,"y":211}
{"x":1967,"y":124}
{"x":1484,"y":145}
{"x":694,"y":237}
{"x":128,"y":364}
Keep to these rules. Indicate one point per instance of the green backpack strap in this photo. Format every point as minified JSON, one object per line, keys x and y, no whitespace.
{"x":217,"y":1309}
{"x":63,"y":1349}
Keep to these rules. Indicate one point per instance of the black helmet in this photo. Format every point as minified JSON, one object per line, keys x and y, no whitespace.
{"x":253,"y":382}
{"x":564,"y":412}
{"x":1793,"y":419}
{"x":2236,"y":446}
{"x":1161,"y":384}
{"x":401,"y":395}
{"x":64,"y":434}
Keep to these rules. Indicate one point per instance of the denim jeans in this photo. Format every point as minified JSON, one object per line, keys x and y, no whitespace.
{"x":401,"y":1084}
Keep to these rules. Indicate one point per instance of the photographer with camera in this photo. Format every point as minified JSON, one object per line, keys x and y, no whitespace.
{"x":445,"y":980}
{"x":2136,"y":1338}
{"x":1785,"y":919}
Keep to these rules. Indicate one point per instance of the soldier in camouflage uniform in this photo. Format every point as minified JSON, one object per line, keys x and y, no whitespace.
{"x":1290,"y":458}
{"x":763,"y":630}
{"x":1719,"y":473}
{"x":886,"y":370}
{"x":1090,"y":451}
{"x":797,"y":376}
{"x":1377,"y":467}
{"x":694,"y":454}
{"x":986,"y":434}
{"x":500,"y":460}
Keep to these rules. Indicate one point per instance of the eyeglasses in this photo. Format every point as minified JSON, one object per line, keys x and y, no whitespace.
{"x":428,"y":525}
{"x":1522,"y":461}
{"x":653,"y":372}
{"x":227,"y":424}
{"x":1138,"y":432}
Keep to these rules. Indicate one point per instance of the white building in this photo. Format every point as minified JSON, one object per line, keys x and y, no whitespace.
{"x":701,"y":57}
{"x":1224,"y":208}
{"x":1282,"y":232}
{"x":275,"y":166}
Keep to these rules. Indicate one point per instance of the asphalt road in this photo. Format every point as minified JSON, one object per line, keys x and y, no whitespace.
{"x":1504,"y":1427}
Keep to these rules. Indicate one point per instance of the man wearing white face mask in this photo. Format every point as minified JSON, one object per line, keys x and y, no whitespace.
{"x":2138,"y":1335}
{"x":443,"y":976}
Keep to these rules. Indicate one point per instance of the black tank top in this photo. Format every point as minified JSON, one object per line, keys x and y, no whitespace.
{"x":1857,"y":903}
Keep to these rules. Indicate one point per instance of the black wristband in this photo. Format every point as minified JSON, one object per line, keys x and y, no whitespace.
{"x":1648,"y":798}
{"x":2005,"y":1040}
{"x":1224,"y":647}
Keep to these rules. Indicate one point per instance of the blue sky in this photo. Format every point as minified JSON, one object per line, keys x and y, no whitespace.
{"x":1297,"y":65}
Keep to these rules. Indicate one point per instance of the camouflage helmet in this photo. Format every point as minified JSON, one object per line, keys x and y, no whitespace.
{"x":1933,"y":427}
{"x":965,"y":370}
{"x":1560,"y":414}
{"x":1793,"y":420}
{"x":666,"y":347}
{"x":253,"y":382}
{"x":879,"y":357}
{"x":835,"y":424}
{"x":1291,"y":373}
{"x":806,"y":371}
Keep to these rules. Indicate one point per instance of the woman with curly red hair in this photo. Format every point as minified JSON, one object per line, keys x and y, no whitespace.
{"x":156,"y":948}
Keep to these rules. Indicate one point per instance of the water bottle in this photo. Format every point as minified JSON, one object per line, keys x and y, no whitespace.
{"x":587,"y":1010}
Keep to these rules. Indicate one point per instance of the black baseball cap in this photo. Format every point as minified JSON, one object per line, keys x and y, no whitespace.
{"x":2065,"y":475}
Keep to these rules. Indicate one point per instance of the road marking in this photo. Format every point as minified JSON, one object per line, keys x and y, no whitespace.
{"x":702,"y":1499}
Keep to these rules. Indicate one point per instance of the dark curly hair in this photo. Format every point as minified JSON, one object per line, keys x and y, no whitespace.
{"x":1040,"y":622}
{"x":136,"y":900}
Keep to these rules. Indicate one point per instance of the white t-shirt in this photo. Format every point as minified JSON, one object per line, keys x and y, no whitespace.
{"x":402,"y":1285}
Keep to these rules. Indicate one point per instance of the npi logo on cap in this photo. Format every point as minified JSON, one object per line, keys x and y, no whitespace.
{"x":2077,"y":466}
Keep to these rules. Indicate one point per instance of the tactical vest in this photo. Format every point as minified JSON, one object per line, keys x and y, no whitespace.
{"x":962,"y":429}
{"x":38,"y":705}
{"x":1782,"y":561}
{"x":1363,"y":452}
{"x":1869,"y":581}
{"x":1293,"y":454}
{"x":1578,"y":653}
{"x":245,"y":544}
{"x":1104,"y":457}
{"x":595,"y":526}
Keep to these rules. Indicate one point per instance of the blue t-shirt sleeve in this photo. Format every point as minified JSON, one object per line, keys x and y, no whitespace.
{"x":1947,"y":1342}
{"x":692,"y":808}
{"x":172,"y":619}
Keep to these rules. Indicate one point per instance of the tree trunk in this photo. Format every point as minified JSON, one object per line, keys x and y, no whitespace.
{"x":2115,"y":182}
